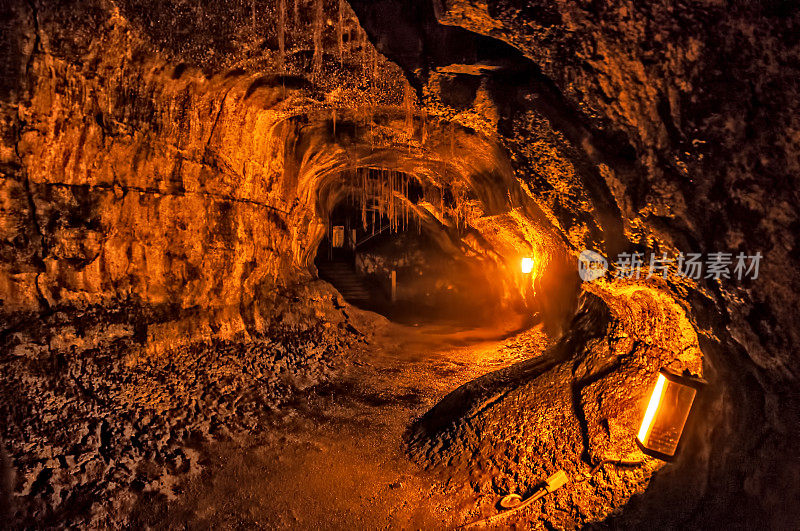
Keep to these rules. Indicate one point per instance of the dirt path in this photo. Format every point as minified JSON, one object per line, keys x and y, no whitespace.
{"x":335,"y":460}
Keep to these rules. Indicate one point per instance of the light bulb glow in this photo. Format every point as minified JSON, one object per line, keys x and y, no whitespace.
{"x":667,"y":413}
{"x":652,"y":407}
{"x":527,"y":265}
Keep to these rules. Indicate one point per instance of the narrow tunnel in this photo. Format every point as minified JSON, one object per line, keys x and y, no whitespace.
{"x":398,"y":264}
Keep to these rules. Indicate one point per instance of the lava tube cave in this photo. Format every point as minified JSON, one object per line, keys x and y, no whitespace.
{"x":370,"y":264}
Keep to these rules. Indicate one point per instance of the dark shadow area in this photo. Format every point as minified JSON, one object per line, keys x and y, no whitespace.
{"x":6,"y":483}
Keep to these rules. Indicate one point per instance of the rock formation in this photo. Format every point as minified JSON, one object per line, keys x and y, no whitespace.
{"x":166,"y":175}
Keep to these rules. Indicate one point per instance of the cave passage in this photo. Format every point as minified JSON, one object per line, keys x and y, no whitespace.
{"x":382,"y":255}
{"x":310,"y":264}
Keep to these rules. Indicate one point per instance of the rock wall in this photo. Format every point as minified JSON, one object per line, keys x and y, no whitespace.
{"x":697,"y":128}
{"x":175,"y":163}
{"x":678,"y":122}
{"x":132,"y":175}
{"x":163,"y":192}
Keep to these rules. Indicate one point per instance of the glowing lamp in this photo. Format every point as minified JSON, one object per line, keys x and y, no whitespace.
{"x":527,"y":265}
{"x":666,"y":414}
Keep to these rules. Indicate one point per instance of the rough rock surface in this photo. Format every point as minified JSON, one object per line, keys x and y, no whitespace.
{"x":166,"y":169}
{"x":97,"y":421}
{"x":661,"y":127}
{"x":576,"y":403}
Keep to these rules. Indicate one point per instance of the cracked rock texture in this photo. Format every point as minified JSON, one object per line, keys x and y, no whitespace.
{"x":165,"y":172}
{"x":98,"y":422}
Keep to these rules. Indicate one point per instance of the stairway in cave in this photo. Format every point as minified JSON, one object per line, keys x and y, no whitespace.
{"x":353,"y":287}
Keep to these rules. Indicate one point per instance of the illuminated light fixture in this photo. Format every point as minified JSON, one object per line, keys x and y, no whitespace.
{"x":527,"y":265}
{"x":666,"y":414}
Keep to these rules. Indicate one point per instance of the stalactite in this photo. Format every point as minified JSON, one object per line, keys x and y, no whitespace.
{"x":387,"y":196}
{"x":383,"y":195}
{"x":364,"y":198}
{"x":382,"y":192}
{"x":394,"y":221}
{"x":296,"y":14}
{"x":401,"y":214}
{"x":318,"y":15}
{"x":333,"y":119}
{"x":406,"y":203}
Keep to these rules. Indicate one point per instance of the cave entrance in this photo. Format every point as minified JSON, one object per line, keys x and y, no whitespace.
{"x":383,"y":256}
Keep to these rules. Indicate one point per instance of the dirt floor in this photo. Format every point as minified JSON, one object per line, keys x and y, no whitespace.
{"x":335,"y":459}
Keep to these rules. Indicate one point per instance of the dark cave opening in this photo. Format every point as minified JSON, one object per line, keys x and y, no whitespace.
{"x":383,"y":254}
